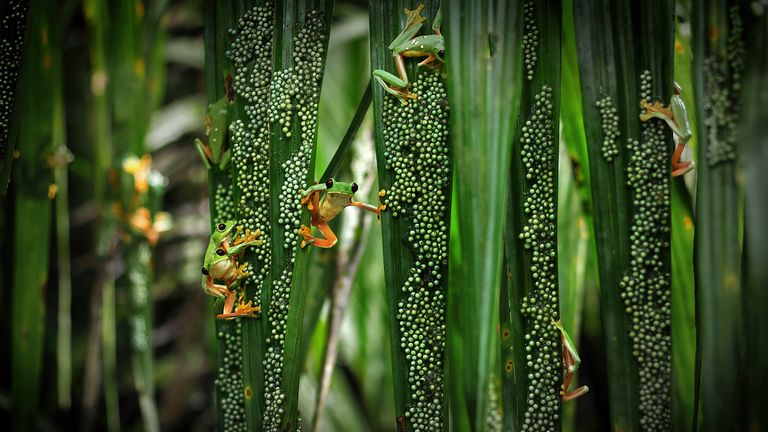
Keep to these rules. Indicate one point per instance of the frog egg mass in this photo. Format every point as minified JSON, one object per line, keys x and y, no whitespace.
{"x":417,"y":152}
{"x":540,"y":304}
{"x":646,"y":284}
{"x":610,"y":125}
{"x":288,"y":104}
{"x":722,"y":73}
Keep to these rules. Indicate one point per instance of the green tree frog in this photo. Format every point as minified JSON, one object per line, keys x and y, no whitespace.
{"x":676,"y":116}
{"x":220,"y":263}
{"x":407,"y":44}
{"x":571,"y":363}
{"x":215,"y":152}
{"x":337,"y":196}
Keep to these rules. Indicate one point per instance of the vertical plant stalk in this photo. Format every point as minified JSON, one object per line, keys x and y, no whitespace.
{"x":719,"y":59}
{"x":219,"y":17}
{"x":59,"y":162}
{"x":13,"y":21}
{"x":96,"y":17}
{"x":276,"y":138}
{"x":351,"y":251}
{"x":414,"y":166}
{"x":754,"y":151}
{"x":33,"y":210}
{"x":483,"y":45}
{"x":683,"y":287}
{"x":531,"y":228}
{"x":632,"y":203}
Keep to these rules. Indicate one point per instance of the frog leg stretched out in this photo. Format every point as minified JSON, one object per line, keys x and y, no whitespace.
{"x":676,"y":117}
{"x":336,"y":197}
{"x":407,"y":44}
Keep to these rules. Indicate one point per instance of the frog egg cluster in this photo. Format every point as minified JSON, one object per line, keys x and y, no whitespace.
{"x":297,"y":94}
{"x":251,"y":55}
{"x":530,"y":39}
{"x":11,"y":46}
{"x":540,"y":305}
{"x":645,"y":285}
{"x":417,"y":152}
{"x":493,"y":419}
{"x":223,"y":202}
{"x":610,"y":124}
{"x":229,"y":378}
{"x":722,"y":107}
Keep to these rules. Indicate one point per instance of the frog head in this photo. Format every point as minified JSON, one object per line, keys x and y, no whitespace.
{"x":339,"y":193}
{"x":221,"y":231}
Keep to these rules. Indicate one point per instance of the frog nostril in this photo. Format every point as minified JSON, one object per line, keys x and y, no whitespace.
{"x":220,"y":252}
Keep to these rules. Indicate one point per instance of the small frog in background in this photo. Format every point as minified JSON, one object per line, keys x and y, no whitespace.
{"x":407,"y":44}
{"x":336,"y":196}
{"x":571,"y":363}
{"x":676,"y":116}
{"x":220,"y":263}
{"x":215,"y":152}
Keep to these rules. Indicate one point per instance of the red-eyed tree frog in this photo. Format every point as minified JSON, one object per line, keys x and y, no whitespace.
{"x":220,"y":263}
{"x":336,"y":196}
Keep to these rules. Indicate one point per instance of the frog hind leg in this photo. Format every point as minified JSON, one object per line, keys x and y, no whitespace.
{"x":312,"y":201}
{"x":243,"y":309}
{"x":214,"y":289}
{"x":329,"y":237}
{"x":569,"y":364}
{"x":680,"y":168}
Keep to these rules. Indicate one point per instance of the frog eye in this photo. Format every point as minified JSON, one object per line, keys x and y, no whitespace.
{"x":354,"y":187}
{"x":441,"y":53}
{"x":222,"y":227}
{"x":220,"y":252}
{"x":205,"y":271}
{"x":329,"y":183}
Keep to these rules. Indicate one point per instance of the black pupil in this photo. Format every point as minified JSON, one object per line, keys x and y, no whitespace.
{"x":441,"y":53}
{"x":354,"y":187}
{"x":220,"y":252}
{"x":205,"y":272}
{"x":329,"y":183}
{"x":221,"y":227}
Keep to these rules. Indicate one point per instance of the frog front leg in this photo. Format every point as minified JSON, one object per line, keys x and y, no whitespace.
{"x":398,"y":85}
{"x":367,"y":207}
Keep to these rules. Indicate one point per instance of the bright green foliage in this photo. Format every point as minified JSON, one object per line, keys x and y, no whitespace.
{"x":483,"y":45}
